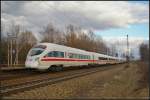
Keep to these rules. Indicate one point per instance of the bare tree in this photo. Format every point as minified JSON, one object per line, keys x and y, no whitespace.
{"x":100,"y":46}
{"x":144,"y":52}
{"x":49,"y":33}
{"x":23,"y":47}
{"x":112,"y":49}
{"x":86,"y":41}
{"x":71,"y":36}
{"x":23,"y":42}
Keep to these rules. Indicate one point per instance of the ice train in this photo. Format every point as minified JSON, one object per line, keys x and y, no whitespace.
{"x":53,"y":56}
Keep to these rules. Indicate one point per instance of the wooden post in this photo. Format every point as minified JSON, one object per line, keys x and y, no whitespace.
{"x":16,"y":51}
{"x":11,"y":53}
{"x":127,"y":49}
{"x":8,"y":53}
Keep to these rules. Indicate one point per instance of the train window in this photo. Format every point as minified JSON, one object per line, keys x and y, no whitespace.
{"x":76,"y":56}
{"x":82,"y":57}
{"x":102,"y":58}
{"x":79,"y":56}
{"x":70,"y":55}
{"x":56,"y":54}
{"x":61,"y":54}
{"x":85,"y":57}
{"x":50,"y":54}
{"x":89,"y":57}
{"x":113,"y":59}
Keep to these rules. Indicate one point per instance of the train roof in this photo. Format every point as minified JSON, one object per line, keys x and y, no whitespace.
{"x":64,"y":48}
{"x":75,"y":50}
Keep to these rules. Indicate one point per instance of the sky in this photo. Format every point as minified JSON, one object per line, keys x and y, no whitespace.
{"x":138,"y":30}
{"x":112,"y":20}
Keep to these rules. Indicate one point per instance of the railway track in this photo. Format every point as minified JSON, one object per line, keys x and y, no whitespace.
{"x":22,"y":73}
{"x":12,"y":74}
{"x":12,"y":89}
{"x":16,"y":74}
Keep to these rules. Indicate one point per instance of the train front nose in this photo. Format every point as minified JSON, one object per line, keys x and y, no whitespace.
{"x":31,"y":63}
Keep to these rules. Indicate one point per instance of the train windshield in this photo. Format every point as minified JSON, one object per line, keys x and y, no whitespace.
{"x":37,"y":50}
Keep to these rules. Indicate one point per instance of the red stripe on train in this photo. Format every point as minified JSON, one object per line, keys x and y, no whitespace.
{"x":52,"y":59}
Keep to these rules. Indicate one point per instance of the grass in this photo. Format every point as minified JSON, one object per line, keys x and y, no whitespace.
{"x":132,"y":82}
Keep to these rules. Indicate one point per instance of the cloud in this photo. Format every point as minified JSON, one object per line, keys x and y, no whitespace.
{"x":96,"y":15}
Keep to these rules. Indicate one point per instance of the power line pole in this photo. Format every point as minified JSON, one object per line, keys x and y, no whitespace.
{"x":16,"y":51}
{"x":8,"y":52}
{"x":127,"y":49}
{"x":11,"y":42}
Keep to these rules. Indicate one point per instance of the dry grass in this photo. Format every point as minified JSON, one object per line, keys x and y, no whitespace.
{"x":126,"y":83}
{"x":143,"y":70}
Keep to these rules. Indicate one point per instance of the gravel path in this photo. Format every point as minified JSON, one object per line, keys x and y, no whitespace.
{"x":90,"y":86}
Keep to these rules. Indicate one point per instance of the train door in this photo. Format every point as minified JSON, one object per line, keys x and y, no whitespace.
{"x":93,"y":58}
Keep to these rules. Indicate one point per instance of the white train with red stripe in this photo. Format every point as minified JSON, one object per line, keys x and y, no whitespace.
{"x":55,"y":57}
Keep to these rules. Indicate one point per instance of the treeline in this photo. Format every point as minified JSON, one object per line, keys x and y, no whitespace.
{"x":24,"y":41}
{"x":72,"y":36}
{"x":144,"y":65}
{"x":144,"y":52}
